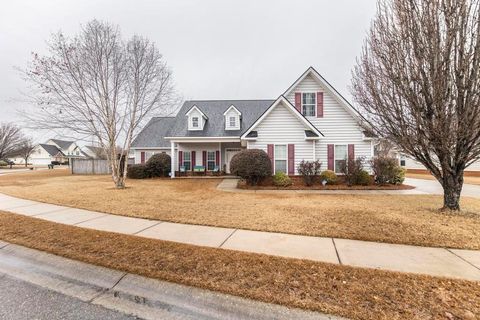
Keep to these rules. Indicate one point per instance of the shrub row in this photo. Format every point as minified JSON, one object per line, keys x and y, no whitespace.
{"x":254,"y":165}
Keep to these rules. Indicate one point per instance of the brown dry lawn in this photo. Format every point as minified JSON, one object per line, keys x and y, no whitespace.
{"x":393,"y":219}
{"x":346,"y":291}
{"x":467,"y":179}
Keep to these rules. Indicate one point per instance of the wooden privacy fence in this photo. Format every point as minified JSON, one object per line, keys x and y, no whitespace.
{"x":90,"y":166}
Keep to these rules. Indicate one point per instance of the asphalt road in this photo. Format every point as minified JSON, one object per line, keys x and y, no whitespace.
{"x":20,"y":300}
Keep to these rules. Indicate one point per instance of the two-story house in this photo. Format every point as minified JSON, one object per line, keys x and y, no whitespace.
{"x":309,"y":121}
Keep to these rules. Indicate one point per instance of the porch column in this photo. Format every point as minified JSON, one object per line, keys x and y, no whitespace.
{"x":172,"y":159}
{"x":220,"y":160}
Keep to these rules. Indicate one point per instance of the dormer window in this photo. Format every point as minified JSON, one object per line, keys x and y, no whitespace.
{"x":196,"y":119}
{"x":232,"y":118}
{"x":233,"y":122}
{"x":195,"y":122}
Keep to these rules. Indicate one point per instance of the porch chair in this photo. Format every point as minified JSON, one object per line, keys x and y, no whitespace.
{"x":182,"y":170}
{"x":216,"y":171}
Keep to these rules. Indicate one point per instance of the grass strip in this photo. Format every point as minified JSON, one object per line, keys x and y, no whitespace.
{"x":355,"y":293}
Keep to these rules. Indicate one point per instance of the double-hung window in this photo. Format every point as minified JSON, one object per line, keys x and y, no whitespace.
{"x":308,"y":104}
{"x":280,"y":158}
{"x":340,"y":157}
{"x":187,"y":160}
{"x":194,"y":122}
{"x":233,"y":122}
{"x":210,"y":160}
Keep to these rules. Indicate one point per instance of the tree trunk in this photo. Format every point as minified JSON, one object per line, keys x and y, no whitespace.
{"x":452,"y":188}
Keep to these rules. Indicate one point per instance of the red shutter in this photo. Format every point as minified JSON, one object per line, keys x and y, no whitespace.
{"x":291,"y":159}
{"x":194,"y":159}
{"x":180,"y":159}
{"x":330,"y":151}
{"x":298,"y":101}
{"x":217,"y":158}
{"x":204,"y":158}
{"x":319,"y":104}
{"x":270,"y":154}
{"x":142,"y":157}
{"x":351,"y":152}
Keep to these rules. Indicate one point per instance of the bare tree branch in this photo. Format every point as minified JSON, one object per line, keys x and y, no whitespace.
{"x":418,"y":82}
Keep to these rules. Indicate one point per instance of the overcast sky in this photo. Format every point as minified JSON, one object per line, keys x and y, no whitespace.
{"x":217,"y":49}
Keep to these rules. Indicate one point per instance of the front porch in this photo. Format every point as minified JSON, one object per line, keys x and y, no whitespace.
{"x":203,"y":158}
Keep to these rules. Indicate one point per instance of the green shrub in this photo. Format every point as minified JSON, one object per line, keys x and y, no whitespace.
{"x":253,"y":165}
{"x":3,"y":163}
{"x":329,"y":176}
{"x":280,"y":179}
{"x":159,"y":165}
{"x":399,"y":175}
{"x":363,"y":178}
{"x":309,"y":171}
{"x":387,"y":171}
{"x":137,"y":171}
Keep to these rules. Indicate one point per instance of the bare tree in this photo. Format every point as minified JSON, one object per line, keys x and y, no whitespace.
{"x":97,"y":85}
{"x":26,"y":149}
{"x":10,"y":139}
{"x":418,"y":81}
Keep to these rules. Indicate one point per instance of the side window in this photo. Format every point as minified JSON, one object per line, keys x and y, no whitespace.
{"x":280,"y":158}
{"x":340,"y":156}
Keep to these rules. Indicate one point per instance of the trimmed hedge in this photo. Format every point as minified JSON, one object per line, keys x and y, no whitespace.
{"x":280,"y":179}
{"x":159,"y":165}
{"x":253,"y":165}
{"x":329,"y":176}
{"x":137,"y":171}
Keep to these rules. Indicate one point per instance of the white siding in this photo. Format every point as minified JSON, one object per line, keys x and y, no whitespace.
{"x":201,"y":121}
{"x":280,"y":126}
{"x":148,"y":153}
{"x":337,"y":124}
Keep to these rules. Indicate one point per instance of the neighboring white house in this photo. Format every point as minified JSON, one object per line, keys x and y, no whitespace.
{"x":53,"y":150}
{"x":92,"y":152}
{"x":414,"y":166}
{"x":309,"y":121}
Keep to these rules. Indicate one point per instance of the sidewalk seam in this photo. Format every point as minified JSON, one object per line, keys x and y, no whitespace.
{"x":336,"y":252}
{"x":103,"y":215}
{"x":231,"y":234}
{"x":153,"y":225}
{"x":456,"y":255}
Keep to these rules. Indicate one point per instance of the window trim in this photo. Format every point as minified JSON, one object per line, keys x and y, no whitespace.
{"x":314,"y":104}
{"x":193,"y":122}
{"x":214,"y":159}
{"x":275,"y":157}
{"x":189,"y":161}
{"x":335,"y":155}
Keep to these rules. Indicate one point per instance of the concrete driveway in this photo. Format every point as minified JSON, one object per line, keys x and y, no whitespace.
{"x":434,"y":187}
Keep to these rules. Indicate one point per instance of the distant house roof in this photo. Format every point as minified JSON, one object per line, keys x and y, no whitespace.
{"x":152,"y":136}
{"x":51,"y":149}
{"x":63,"y":144}
{"x":251,"y":110}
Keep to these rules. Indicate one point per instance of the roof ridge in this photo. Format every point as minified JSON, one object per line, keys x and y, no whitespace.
{"x":218,"y":100}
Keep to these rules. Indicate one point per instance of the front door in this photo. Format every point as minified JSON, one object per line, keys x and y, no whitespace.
{"x":229,"y":153}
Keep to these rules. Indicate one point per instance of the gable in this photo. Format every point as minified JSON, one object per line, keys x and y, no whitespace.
{"x":286,"y":117}
{"x":338,"y":118}
{"x":280,"y":121}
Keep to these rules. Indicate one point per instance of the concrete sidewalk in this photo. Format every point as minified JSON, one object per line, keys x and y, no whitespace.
{"x":462,"y":264}
{"x":131,"y":294}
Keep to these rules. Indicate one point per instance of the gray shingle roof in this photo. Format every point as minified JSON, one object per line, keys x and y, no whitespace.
{"x":62,"y":143}
{"x":215,"y":125}
{"x":152,"y":136}
{"x":51,"y":149}
{"x":310,"y":134}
